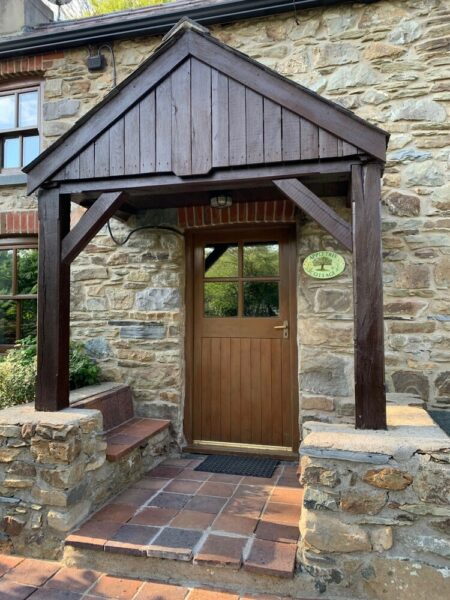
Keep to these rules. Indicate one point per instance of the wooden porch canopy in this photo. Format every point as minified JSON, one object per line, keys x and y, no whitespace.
{"x":199,"y":117}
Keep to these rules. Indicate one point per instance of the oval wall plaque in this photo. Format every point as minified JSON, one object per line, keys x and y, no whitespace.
{"x":324,"y":265}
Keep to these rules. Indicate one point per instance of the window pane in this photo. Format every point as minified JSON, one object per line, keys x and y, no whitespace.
{"x":27,"y":266}
{"x":11,"y":153}
{"x":28,"y":109}
{"x":261,"y":299}
{"x":30,"y":148}
{"x":6,"y":269}
{"x":261,"y":260}
{"x":221,"y":260}
{"x":221,"y":299}
{"x":7,"y":322}
{"x":7,"y":112}
{"x":29,"y":318}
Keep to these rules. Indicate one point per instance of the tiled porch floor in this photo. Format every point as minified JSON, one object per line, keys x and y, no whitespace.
{"x":177,"y":513}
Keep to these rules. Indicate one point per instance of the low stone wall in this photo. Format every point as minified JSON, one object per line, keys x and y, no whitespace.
{"x":54,"y":473}
{"x":376,"y":514}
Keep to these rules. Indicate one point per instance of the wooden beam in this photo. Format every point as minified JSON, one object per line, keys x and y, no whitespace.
{"x":90,"y":223}
{"x":316,"y":208}
{"x":52,"y":387}
{"x":370,"y":393}
{"x":220,"y":178}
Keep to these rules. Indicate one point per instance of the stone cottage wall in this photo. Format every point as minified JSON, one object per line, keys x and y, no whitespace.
{"x":387,"y":62}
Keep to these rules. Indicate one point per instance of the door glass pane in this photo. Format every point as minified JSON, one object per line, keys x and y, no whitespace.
{"x":30,"y":148}
{"x":29,"y":318}
{"x":7,"y":322}
{"x":221,"y":260}
{"x":27,"y":266}
{"x":28,"y":109}
{"x":11,"y":153}
{"x":221,"y":299}
{"x":7,"y":112}
{"x":261,"y":260}
{"x":261,"y":299}
{"x":6,"y":269}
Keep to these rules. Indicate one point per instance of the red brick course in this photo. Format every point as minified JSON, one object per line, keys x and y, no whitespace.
{"x":280,"y":211}
{"x":19,"y":223}
{"x":28,"y":65}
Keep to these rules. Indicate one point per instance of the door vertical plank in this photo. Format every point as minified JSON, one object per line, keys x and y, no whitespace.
{"x":235,"y":389}
{"x":215,"y":401}
{"x":276,"y":394}
{"x":246,"y":391}
{"x":286,"y":387}
{"x":205,"y":404}
{"x":181,"y":120}
{"x":266,"y":393}
{"x":225,"y":396}
{"x":255,"y":365}
{"x":201,"y":118}
{"x":370,"y":393}
{"x":220,"y":120}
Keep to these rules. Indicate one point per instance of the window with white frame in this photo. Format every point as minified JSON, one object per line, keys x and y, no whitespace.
{"x":19,"y":127}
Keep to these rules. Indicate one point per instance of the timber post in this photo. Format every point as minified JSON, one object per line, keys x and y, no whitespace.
{"x":370,"y":392}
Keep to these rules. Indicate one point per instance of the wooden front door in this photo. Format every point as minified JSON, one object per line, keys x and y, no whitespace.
{"x":243,"y":391}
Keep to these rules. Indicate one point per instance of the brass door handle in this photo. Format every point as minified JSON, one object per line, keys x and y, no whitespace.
{"x":285,"y":328}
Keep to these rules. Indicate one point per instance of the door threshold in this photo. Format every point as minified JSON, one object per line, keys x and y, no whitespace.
{"x":278,"y":452}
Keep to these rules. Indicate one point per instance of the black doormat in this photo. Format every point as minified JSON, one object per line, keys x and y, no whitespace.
{"x":238,"y":465}
{"x":442,"y":418}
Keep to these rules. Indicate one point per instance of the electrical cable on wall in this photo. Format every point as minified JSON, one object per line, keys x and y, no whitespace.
{"x":133,"y":231}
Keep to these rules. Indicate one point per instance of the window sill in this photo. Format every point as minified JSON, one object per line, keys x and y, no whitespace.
{"x":13,"y":179}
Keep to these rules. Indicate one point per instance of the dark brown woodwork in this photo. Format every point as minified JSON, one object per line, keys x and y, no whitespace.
{"x":229,"y":178}
{"x":317,"y":209}
{"x":52,"y":388}
{"x":197,"y":105}
{"x":370,"y":393}
{"x":242,"y":372}
{"x":90,"y":223}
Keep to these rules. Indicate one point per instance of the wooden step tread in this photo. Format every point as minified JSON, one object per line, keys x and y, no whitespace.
{"x":126,"y":437}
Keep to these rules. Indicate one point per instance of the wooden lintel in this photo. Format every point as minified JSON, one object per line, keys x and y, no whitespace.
{"x":219,"y":179}
{"x":370,"y":393}
{"x":317,"y":209}
{"x":90,"y":223}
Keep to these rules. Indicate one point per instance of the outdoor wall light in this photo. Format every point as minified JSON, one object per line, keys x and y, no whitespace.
{"x":221,"y":200}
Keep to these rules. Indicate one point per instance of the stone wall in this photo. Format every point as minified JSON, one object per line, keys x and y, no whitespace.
{"x":54,"y":473}
{"x":376,"y":516}
{"x":387,"y":62}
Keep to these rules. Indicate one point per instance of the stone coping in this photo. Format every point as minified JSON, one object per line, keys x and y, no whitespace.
{"x":27,"y":414}
{"x":410,"y":429}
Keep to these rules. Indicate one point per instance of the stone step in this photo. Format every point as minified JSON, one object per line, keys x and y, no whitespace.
{"x":113,"y":400}
{"x":126,"y":437}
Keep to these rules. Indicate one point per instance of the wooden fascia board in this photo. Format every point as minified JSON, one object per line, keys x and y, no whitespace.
{"x":318,"y":210}
{"x":236,"y":177}
{"x":104,"y":116}
{"x":289,"y":95}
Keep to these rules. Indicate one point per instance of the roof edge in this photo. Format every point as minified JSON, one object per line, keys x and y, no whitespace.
{"x":157,"y":23}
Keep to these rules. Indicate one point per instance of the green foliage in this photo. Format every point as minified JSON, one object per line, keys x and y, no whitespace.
{"x":102,"y":7}
{"x":18,"y":371}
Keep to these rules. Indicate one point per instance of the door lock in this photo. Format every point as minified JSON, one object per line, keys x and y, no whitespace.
{"x":285,"y":328}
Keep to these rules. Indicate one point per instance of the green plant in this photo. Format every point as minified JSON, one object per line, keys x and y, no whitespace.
{"x":18,"y":371}
{"x":102,"y":7}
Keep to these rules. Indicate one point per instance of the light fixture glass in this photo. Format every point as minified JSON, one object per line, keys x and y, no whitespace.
{"x":221,"y":200}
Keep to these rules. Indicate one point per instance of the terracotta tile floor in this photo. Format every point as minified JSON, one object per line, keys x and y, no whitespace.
{"x":23,"y":579}
{"x":177,"y":513}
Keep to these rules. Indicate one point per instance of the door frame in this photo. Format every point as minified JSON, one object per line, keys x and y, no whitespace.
{"x":190,"y":237}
